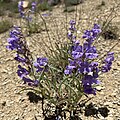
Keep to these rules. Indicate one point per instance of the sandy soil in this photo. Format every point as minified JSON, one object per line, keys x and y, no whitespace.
{"x":14,"y":106}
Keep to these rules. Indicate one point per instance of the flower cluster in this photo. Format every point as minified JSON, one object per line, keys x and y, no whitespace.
{"x":21,"y":9}
{"x":14,"y":41}
{"x":23,"y":55}
{"x":22,"y":5}
{"x":108,"y":62}
{"x":72,"y":29}
{"x":33,"y":4}
{"x":83,"y":59}
{"x":41,"y":64}
{"x":90,"y":35}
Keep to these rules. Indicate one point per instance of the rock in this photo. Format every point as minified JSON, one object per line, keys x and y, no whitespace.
{"x":110,"y":118}
{"x":115,"y":102}
{"x":9,"y":103}
{"x":108,"y":104}
{"x":3,"y":103}
{"x":99,"y":88}
{"x":113,"y":94}
{"x":118,"y":103}
{"x":118,"y":63}
{"x":2,"y":115}
{"x":6,"y":82}
{"x":100,"y":117}
{"x":16,"y":118}
{"x":102,"y":93}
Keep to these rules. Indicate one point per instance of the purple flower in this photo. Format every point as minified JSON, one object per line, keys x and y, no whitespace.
{"x":87,"y":51}
{"x":84,"y":68}
{"x":41,"y":64}
{"x":90,"y":35}
{"x":110,"y":57}
{"x":15,"y":32}
{"x":15,"y":42}
{"x":33,"y":6}
{"x":89,"y":90}
{"x":20,"y":59}
{"x":21,"y":9}
{"x":80,"y":55}
{"x":106,"y":68}
{"x":70,"y":67}
{"x":72,"y":28}
{"x":30,"y":82}
{"x":87,"y":82}
{"x":108,"y":62}
{"x":77,"y":51}
{"x":94,"y":68}
{"x":72,"y":22}
{"x":22,"y":72}
{"x":96,"y":30}
{"x":67,"y":71}
{"x":72,"y":25}
{"x":91,"y":55}
{"x":90,"y":51}
{"x":71,"y":36}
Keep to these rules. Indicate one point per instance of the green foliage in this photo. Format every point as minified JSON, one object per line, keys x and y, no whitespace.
{"x":71,"y":2}
{"x":10,"y":6}
{"x":34,"y":28}
{"x":11,"y":14}
{"x":69,"y":9}
{"x":2,"y":12}
{"x":5,"y":25}
{"x":5,"y":1}
{"x":44,"y":6}
{"x":58,"y":88}
{"x":54,"y":2}
{"x":14,"y":7}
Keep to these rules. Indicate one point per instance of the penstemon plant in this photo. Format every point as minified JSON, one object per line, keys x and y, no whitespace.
{"x":70,"y":72}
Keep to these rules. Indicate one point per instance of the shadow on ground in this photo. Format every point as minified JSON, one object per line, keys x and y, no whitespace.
{"x":89,"y":110}
{"x":93,"y":110}
{"x":33,"y":97}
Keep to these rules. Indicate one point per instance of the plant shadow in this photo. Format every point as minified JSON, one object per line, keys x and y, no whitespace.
{"x":33,"y":98}
{"x":50,"y":118}
{"x":92,"y":110}
{"x":109,"y":35}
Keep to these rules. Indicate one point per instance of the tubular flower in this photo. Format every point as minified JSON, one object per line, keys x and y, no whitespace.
{"x":82,"y":58}
{"x":23,"y":74}
{"x":30,"y":82}
{"x":90,"y":35}
{"x":41,"y":64}
{"x":87,"y":82}
{"x":72,"y":29}
{"x":22,"y":71}
{"x":33,"y":6}
{"x":16,"y":43}
{"x":21,"y":9}
{"x":108,"y":62}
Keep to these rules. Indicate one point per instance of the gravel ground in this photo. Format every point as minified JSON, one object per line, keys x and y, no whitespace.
{"x":14,"y":106}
